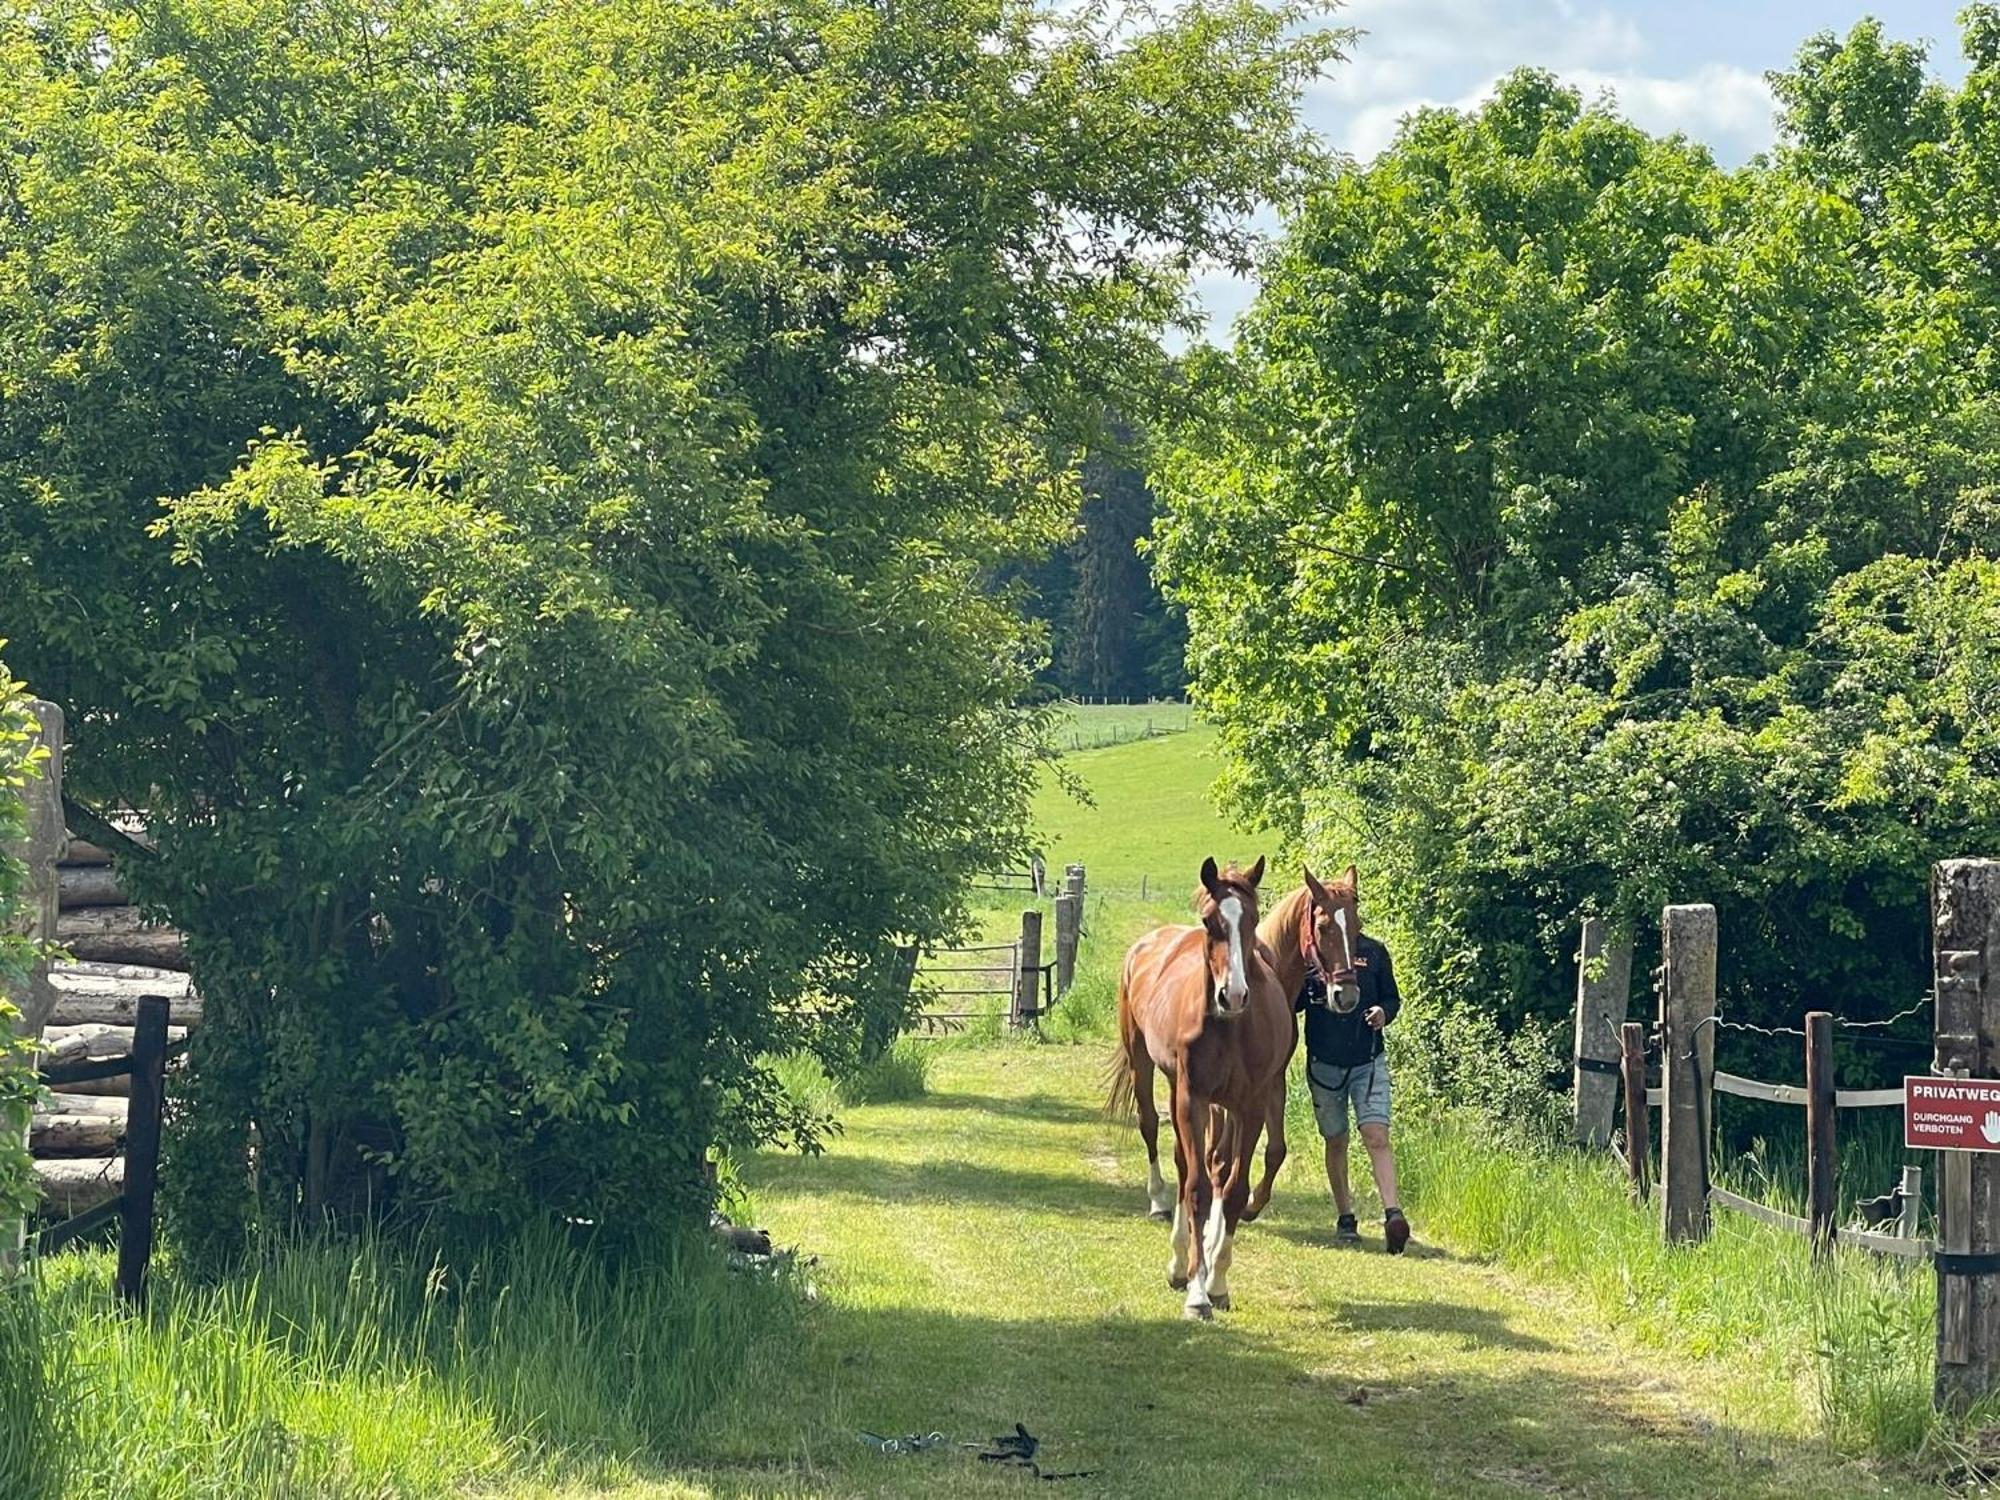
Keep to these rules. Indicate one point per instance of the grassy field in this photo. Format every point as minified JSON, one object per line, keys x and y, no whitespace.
{"x":1149,"y":822}
{"x":1092,"y":726}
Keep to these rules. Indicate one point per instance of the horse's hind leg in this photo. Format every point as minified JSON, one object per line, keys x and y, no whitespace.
{"x":1274,"y":1152}
{"x":1157,"y":1202}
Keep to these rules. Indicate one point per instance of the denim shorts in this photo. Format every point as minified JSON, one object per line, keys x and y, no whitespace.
{"x":1364,"y":1089}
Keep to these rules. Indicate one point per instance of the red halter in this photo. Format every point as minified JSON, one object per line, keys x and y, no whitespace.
{"x":1309,"y":946}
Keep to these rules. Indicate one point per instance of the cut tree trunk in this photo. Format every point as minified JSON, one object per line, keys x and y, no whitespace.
{"x":104,"y":992}
{"x":67,"y":1044}
{"x":71,"y":1184}
{"x":80,"y":1104}
{"x":83,"y":852}
{"x":76,"y":1135}
{"x":116,"y":934}
{"x":90,"y":885}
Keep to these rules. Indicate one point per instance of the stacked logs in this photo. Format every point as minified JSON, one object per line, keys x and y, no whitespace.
{"x":76,"y":1135}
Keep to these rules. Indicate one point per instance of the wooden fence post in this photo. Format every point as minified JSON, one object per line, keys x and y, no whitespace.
{"x":1965,"y":929}
{"x":1073,"y":881}
{"x":1687,"y":1003}
{"x":1638,"y":1125}
{"x":1603,"y":990}
{"x":41,"y":853}
{"x":1912,"y":1189}
{"x":1069,"y":924}
{"x":142,"y":1148}
{"x":1821,"y":1161}
{"x":1028,"y":976}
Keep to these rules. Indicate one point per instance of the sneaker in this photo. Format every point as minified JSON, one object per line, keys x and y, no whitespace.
{"x":1346,"y":1231}
{"x":1395,"y":1230}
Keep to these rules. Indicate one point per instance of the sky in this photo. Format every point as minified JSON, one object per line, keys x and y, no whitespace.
{"x":1695,"y":66}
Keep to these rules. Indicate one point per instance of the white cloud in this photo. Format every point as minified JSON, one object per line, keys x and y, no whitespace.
{"x":1420,"y":53}
{"x":1426,"y":52}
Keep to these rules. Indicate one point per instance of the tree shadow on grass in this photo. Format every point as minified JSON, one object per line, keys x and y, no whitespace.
{"x":1475,"y":1325}
{"x":1047,"y":1109}
{"x":1155,"y":1405}
{"x":947,"y":1180}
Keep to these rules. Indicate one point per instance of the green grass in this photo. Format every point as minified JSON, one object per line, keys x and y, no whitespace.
{"x":1092,"y":726}
{"x":1150,"y":823}
{"x":362,"y":1370}
{"x":986,"y":1259}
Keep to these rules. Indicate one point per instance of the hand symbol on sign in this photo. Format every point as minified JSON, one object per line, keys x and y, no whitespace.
{"x":1990,"y":1127}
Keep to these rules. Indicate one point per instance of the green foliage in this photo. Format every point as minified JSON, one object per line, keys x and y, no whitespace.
{"x":39,"y":1402}
{"x":18,"y":761}
{"x":1622,"y":531}
{"x":510,"y":493}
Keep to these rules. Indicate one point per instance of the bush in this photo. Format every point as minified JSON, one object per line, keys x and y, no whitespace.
{"x":516,"y":406}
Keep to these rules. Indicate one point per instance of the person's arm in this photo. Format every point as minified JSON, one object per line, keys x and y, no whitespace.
{"x":1390,"y":999}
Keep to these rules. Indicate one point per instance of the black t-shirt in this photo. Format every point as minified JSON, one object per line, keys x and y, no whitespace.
{"x":1348,"y":1041}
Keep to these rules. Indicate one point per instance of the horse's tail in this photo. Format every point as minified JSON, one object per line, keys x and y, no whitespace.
{"x":1121,"y":1090}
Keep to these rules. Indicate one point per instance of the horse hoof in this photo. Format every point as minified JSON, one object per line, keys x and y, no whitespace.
{"x":1249,"y":1216}
{"x":1200,"y":1313}
{"x":1161,"y":1216}
{"x":1177,"y":1283}
{"x":1220,"y":1304}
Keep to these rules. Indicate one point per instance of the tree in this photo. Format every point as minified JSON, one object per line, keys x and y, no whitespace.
{"x":1619,"y":531}
{"x":507,"y":492}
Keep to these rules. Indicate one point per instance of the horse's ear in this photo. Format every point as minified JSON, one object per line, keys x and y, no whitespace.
{"x":1208,"y":874}
{"x":1256,"y":873}
{"x":1319,"y":895}
{"x":1352,"y":881}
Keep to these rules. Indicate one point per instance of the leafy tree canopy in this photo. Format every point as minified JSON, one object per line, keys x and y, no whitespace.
{"x":1622,"y":529}
{"x":506,"y":490}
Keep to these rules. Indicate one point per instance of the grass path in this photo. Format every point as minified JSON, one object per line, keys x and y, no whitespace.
{"x":985,"y":1259}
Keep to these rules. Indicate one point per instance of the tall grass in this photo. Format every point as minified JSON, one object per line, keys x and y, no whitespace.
{"x":1844,"y":1345}
{"x":378,"y":1368}
{"x":36,"y":1418}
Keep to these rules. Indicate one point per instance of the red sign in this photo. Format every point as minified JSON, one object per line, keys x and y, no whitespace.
{"x":1952,"y":1114}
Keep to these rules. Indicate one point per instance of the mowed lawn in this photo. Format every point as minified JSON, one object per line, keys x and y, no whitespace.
{"x":984,"y":1258}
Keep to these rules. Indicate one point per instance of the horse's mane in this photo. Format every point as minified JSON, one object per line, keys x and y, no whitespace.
{"x":1282,"y":925}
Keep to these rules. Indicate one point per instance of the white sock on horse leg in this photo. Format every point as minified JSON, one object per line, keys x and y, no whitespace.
{"x":1177,"y":1263}
{"x":1156,"y":1189}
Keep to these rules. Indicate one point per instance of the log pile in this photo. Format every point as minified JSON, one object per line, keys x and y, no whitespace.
{"x":76,"y":1135}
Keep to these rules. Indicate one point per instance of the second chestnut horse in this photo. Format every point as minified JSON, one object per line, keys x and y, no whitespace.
{"x":1204,"y":1006}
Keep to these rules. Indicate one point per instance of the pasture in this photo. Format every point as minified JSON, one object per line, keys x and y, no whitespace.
{"x":984,"y":1258}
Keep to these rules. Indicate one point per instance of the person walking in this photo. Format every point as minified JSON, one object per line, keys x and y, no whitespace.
{"x":1347,"y":1072}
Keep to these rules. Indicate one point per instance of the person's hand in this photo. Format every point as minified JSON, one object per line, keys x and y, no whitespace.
{"x":1376,"y":1018}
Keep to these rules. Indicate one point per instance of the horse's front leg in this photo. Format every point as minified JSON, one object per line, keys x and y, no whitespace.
{"x":1230,"y":1211}
{"x":1274,"y":1152}
{"x":1197,"y":1193}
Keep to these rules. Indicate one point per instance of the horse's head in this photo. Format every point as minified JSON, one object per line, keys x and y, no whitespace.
{"x":1227,"y":904}
{"x":1336,"y":939}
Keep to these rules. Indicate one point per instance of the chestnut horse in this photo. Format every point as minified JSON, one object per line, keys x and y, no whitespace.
{"x":1203,"y":1005}
{"x":1314,"y":929}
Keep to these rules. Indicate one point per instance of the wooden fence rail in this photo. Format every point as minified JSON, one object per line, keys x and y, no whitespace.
{"x":1965,"y":998}
{"x":146,"y":1067}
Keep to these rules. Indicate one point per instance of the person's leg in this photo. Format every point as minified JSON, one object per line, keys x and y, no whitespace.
{"x":1371,"y":1113}
{"x":1330,"y":1114}
{"x":1376,"y":1139}
{"x":1336,"y":1173}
